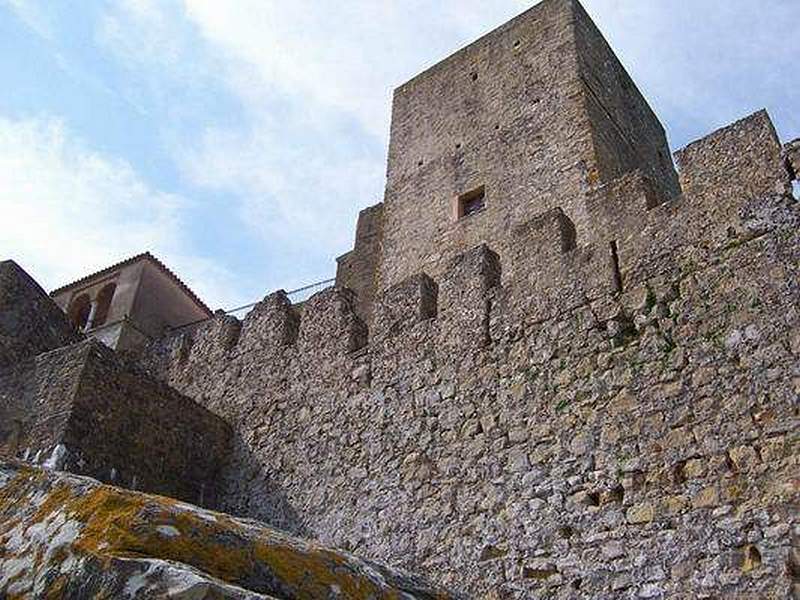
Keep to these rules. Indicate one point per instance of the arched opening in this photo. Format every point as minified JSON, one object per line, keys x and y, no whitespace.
{"x":103,"y":304}
{"x":79,"y":311}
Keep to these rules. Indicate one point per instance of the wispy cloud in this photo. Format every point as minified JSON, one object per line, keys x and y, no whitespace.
{"x":68,"y":210}
{"x":34,"y":15}
{"x":313,"y":83}
{"x":705,"y":64}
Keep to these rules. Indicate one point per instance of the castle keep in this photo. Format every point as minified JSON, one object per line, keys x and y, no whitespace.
{"x":552,"y":366}
{"x":531,"y":117}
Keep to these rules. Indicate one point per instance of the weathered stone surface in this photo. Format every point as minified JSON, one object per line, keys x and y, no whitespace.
{"x":792,"y":154}
{"x":741,"y":161}
{"x":634,"y":421}
{"x":593,"y":392}
{"x":536,"y":113}
{"x":356,"y":269}
{"x":64,"y":536}
{"x":80,"y":408}
{"x":30,"y":322}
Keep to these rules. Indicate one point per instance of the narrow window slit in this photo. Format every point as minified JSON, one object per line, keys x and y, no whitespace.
{"x":615,"y":263}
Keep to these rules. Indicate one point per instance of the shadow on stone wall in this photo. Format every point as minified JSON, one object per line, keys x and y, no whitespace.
{"x":250,"y":491}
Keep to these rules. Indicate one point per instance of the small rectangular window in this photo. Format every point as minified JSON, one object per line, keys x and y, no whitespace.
{"x":471,"y":202}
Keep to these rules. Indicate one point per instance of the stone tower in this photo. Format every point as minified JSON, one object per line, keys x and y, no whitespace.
{"x":531,"y":116}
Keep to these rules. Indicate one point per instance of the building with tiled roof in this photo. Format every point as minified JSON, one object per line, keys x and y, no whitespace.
{"x":130,"y":302}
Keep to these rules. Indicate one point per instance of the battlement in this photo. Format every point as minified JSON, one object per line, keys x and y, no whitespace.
{"x":738,"y":161}
{"x":638,"y":235}
{"x":792,"y":159}
{"x":606,"y":388}
{"x":551,"y":366}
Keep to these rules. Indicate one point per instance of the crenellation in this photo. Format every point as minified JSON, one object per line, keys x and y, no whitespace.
{"x":546,"y":235}
{"x":270,"y":325}
{"x":465,"y":297}
{"x":330,"y":324}
{"x":404,"y":304}
{"x":619,"y":208}
{"x":548,"y":368}
{"x":791,"y":152}
{"x":357,"y":269}
{"x":551,"y":274}
{"x":215,"y":338}
{"x":738,"y":162}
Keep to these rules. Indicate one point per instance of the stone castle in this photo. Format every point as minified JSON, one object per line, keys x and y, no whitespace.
{"x":552,"y":366}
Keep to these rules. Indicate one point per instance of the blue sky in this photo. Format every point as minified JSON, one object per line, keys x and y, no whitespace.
{"x":237,"y":139}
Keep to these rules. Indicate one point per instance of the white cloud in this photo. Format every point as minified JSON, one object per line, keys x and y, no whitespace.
{"x":281,"y":109}
{"x":313,"y":83}
{"x":68,"y":210}
{"x":344,"y":56}
{"x":703,"y":65}
{"x":33,"y":15}
{"x":140,"y":31}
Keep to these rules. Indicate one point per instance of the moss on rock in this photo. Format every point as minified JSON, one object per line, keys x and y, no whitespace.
{"x":71,"y":537}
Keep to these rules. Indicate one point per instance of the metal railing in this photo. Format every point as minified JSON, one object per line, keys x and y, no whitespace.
{"x":298,"y":291}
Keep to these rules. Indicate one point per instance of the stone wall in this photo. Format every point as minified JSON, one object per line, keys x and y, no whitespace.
{"x":738,"y":161}
{"x":30,"y":322}
{"x":35,"y":399}
{"x":792,"y":158}
{"x":627,"y":133}
{"x":80,"y":409}
{"x":536,"y":114}
{"x":617,"y":418}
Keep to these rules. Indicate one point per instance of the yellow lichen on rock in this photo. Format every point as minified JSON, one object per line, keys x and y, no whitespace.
{"x":82,"y":539}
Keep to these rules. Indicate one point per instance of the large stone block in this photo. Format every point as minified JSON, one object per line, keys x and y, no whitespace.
{"x":82,"y":410}
{"x":72,"y":538}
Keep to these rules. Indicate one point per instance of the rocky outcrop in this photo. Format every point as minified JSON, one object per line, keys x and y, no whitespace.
{"x":64,"y":536}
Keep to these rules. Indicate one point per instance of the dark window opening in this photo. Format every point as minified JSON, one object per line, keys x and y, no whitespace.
{"x":615,"y":265}
{"x":472,"y":202}
{"x":104,"y":299}
{"x":79,"y":311}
